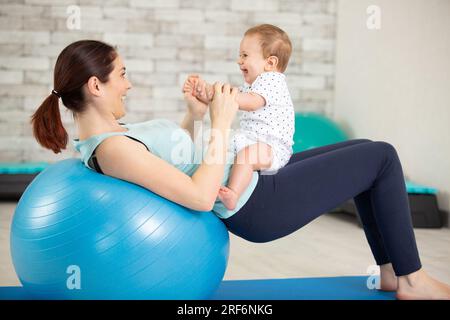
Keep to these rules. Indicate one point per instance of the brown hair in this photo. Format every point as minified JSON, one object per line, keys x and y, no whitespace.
{"x":75,"y":65}
{"x":274,"y":42}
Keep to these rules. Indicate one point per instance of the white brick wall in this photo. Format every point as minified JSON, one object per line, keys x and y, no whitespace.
{"x":251,"y":5}
{"x":161,"y":42}
{"x":129,"y":39}
{"x":11,"y":77}
{"x":13,"y":36}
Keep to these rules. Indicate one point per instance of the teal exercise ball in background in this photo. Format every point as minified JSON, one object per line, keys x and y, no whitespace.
{"x":313,"y":130}
{"x":78,"y":234}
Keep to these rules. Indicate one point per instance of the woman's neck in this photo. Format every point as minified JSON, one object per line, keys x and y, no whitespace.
{"x":92,"y":122}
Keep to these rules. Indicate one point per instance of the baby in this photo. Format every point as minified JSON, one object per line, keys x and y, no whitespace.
{"x":264,"y":141}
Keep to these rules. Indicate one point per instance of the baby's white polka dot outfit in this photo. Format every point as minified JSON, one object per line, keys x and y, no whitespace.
{"x":272,"y":124}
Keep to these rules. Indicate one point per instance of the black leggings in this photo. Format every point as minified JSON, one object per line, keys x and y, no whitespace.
{"x":318,"y":180}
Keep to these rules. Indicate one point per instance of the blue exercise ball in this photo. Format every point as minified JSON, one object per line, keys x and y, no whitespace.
{"x":77,"y":234}
{"x":314,"y":130}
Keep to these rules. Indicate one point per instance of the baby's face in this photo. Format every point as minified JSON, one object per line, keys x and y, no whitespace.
{"x":251,"y":60}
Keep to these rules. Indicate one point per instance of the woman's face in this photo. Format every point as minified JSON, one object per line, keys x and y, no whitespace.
{"x":117,"y":88}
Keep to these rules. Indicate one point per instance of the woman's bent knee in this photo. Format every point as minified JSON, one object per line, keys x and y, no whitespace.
{"x":389,"y":148}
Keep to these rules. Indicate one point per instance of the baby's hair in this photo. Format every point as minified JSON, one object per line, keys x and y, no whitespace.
{"x":274,"y":42}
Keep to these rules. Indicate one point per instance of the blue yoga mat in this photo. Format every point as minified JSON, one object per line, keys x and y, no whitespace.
{"x":331,"y":288}
{"x":334,"y":288}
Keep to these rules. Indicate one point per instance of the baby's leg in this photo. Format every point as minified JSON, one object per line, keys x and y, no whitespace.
{"x":254,"y":157}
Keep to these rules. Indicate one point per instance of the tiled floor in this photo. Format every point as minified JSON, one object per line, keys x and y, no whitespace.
{"x":332,"y":245}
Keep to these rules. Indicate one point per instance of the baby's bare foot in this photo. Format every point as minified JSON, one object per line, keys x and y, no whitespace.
{"x":228,"y":197}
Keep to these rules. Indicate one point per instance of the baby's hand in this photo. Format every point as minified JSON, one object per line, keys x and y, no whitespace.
{"x":204,"y":91}
{"x":190,"y":85}
{"x":198,"y":88}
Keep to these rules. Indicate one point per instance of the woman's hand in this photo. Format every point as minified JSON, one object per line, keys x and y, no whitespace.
{"x":195,"y":107}
{"x":223,"y":107}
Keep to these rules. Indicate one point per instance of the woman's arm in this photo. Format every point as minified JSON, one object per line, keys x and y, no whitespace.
{"x":196,"y":109}
{"x":128,"y":160}
{"x":188,"y":124}
{"x":123,"y":158}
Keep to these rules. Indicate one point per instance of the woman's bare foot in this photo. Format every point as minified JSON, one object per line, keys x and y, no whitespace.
{"x":388,"y":279}
{"x":420,"y":286}
{"x":228,"y":197}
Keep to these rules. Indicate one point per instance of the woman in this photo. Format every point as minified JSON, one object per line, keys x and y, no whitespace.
{"x":90,"y":79}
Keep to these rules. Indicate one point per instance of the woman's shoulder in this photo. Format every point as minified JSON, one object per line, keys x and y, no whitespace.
{"x":92,"y":141}
{"x":119,"y":144}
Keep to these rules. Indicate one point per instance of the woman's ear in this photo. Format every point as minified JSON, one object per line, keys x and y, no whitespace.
{"x":271,"y":63}
{"x":93,"y":86}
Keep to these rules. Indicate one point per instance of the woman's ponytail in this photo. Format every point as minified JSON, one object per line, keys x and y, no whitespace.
{"x":47,"y":125}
